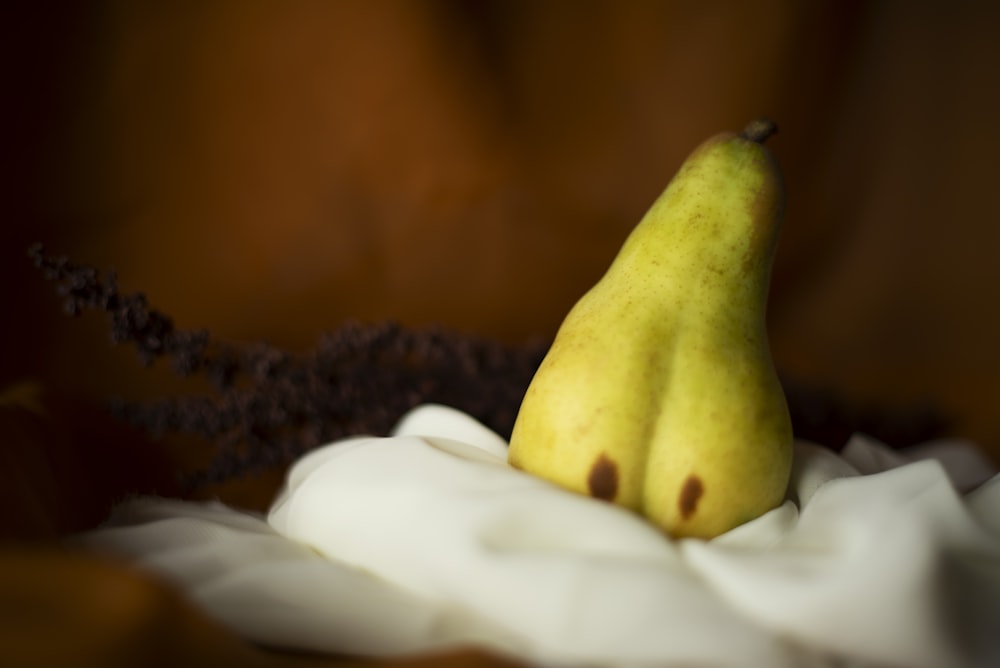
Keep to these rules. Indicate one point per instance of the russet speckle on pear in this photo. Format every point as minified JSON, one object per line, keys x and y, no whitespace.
{"x":659,"y":392}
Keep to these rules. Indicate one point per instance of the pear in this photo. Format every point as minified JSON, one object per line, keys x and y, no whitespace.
{"x":659,"y":392}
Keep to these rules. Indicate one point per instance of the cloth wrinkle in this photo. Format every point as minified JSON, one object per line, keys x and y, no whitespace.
{"x":427,"y":540}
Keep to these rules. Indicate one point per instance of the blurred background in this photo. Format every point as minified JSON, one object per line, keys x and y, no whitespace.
{"x":268,"y":169}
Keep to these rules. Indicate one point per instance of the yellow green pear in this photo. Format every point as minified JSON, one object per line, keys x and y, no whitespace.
{"x":659,"y":392}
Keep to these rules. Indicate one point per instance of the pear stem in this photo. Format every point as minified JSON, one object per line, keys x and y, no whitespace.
{"x":758,"y":130}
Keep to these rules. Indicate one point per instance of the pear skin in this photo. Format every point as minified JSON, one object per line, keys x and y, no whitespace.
{"x":659,"y":392}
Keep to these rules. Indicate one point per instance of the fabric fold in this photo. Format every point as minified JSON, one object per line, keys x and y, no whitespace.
{"x":427,"y":540}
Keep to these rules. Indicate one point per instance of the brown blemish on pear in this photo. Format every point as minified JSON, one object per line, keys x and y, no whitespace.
{"x":603,"y":479}
{"x":691,"y":492}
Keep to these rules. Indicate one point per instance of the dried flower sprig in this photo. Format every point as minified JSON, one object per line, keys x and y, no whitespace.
{"x":271,"y":405}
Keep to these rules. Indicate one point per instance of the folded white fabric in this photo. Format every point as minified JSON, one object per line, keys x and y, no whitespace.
{"x":427,"y":540}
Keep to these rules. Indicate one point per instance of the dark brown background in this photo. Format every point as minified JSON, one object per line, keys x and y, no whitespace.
{"x":268,"y":169}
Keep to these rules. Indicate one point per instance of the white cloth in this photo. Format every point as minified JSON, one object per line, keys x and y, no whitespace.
{"x":427,"y":540}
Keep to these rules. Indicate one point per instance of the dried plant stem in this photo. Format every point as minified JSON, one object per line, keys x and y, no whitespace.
{"x":270,"y":406}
